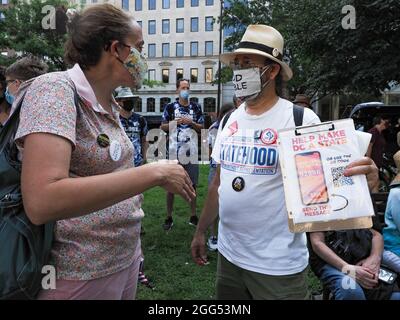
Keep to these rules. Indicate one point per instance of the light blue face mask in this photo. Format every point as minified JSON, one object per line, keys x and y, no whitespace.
{"x":9,"y":97}
{"x":184,"y":94}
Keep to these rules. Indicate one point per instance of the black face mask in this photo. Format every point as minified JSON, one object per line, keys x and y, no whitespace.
{"x":128,"y":106}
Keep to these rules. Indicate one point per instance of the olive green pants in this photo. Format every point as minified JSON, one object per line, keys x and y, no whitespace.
{"x":235,"y":283}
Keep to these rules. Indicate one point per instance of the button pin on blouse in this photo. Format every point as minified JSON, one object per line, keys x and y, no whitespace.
{"x":103,"y":140}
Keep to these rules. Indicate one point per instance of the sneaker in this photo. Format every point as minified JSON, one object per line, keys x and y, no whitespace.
{"x":212,"y":243}
{"x":168,"y":224}
{"x":193,"y":220}
{"x":145,"y":281}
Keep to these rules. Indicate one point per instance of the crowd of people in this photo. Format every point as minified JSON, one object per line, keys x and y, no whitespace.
{"x":81,"y":127}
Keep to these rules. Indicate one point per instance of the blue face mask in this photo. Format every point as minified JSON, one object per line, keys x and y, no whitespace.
{"x":184,"y":94}
{"x":9,"y":97}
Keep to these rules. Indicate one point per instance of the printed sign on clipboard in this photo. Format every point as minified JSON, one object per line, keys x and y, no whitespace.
{"x":313,"y":161}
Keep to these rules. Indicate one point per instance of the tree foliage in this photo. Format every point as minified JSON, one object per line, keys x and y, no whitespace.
{"x":22,"y":30}
{"x":324,"y":56}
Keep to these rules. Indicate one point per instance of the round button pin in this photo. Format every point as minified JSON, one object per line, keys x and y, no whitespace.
{"x":115,"y":150}
{"x":103,"y":140}
{"x":238,"y":184}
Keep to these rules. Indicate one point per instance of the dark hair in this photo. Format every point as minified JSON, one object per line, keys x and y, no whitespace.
{"x":227,"y":107}
{"x":26,"y":68}
{"x":92,"y":31}
{"x":178,"y":82}
{"x":377,"y":120}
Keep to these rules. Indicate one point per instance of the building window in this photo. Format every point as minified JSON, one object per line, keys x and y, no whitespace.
{"x":179,"y":25}
{"x":209,"y":23}
{"x":194,"y":99}
{"x":165,"y":75}
{"x":165,"y":50}
{"x":179,"y":49}
{"x":152,"y":50}
{"x":152,"y":26}
{"x":194,"y":24}
{"x":140,"y":24}
{"x":194,"y":49}
{"x":209,"y":104}
{"x":152,"y":4}
{"x":209,"y":2}
{"x":125,"y":4}
{"x":179,"y":3}
{"x":179,"y":74}
{"x":208,"y":75}
{"x":165,"y":26}
{"x":163,"y":103}
{"x":4,"y":1}
{"x":195,"y":3}
{"x":137,"y":104}
{"x":152,"y":75}
{"x":194,"y":75}
{"x":165,"y":4}
{"x":151,"y":105}
{"x":138,"y":5}
{"x":209,"y":48}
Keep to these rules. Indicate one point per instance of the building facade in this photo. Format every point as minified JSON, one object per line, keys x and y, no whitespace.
{"x":181,"y":41}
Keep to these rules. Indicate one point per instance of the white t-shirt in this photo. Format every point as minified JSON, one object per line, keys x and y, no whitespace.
{"x":253,"y":229}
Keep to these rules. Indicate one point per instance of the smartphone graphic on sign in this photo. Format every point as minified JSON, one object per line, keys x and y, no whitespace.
{"x":311,"y":178}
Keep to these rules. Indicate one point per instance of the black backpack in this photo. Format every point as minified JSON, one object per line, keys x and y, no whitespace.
{"x":24,"y":247}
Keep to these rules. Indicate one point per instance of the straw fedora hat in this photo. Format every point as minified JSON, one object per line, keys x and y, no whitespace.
{"x":124,"y":92}
{"x":264,"y":41}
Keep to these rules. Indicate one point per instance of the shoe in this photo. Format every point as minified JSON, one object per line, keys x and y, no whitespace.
{"x":168,"y":224}
{"x":212,"y":243}
{"x":144,"y":281}
{"x":193,"y":220}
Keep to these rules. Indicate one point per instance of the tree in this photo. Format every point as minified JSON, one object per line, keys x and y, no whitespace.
{"x":324,"y":56}
{"x":36,"y":27}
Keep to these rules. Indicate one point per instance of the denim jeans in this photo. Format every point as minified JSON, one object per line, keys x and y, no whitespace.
{"x":391,"y":260}
{"x":343,"y":287}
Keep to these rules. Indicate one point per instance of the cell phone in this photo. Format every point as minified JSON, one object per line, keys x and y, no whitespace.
{"x":310,"y":173}
{"x":387,"y":276}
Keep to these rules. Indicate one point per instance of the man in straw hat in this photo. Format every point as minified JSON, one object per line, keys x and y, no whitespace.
{"x":259,"y":258}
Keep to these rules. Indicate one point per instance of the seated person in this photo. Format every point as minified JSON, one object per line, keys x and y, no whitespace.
{"x":348,"y":263}
{"x":391,"y":233}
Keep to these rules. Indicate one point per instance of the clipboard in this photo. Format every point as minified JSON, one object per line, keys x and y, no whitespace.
{"x":337,"y":224}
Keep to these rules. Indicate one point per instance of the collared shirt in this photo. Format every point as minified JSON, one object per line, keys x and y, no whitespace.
{"x":104,"y":242}
{"x":135,"y":128}
{"x":184,"y":136}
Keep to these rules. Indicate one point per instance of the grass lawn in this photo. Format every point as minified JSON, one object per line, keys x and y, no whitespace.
{"x":168,"y":263}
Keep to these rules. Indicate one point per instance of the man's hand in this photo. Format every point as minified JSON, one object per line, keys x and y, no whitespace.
{"x":363,"y":276}
{"x":199,"y":249}
{"x":372,"y":263}
{"x":365,"y":166}
{"x":186,"y":120}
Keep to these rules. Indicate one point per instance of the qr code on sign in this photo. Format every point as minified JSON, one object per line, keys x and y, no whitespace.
{"x":339,"y":179}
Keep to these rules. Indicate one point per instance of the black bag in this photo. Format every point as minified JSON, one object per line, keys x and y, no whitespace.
{"x":353,"y":246}
{"x":24,"y":247}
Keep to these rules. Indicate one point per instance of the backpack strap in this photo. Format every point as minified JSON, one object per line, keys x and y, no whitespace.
{"x":226,"y":118}
{"x":298,"y":113}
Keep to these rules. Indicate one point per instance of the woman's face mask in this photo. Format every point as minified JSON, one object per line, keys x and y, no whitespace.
{"x":247,"y":82}
{"x":9,"y":97}
{"x":136,"y":64}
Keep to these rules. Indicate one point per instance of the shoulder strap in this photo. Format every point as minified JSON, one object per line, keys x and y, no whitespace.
{"x":298,"y":113}
{"x":226,"y":118}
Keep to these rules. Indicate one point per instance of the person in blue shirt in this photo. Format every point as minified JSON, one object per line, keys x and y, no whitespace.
{"x":391,"y":233}
{"x":183,"y":120}
{"x":134,"y":125}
